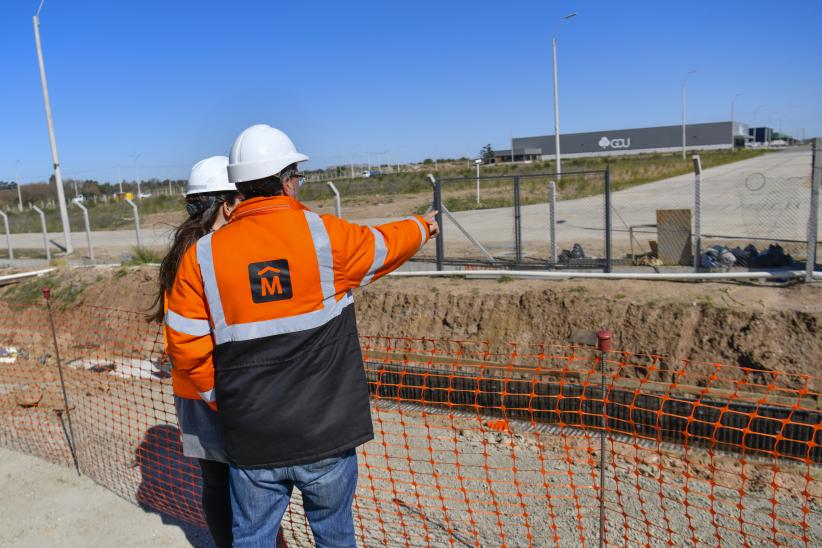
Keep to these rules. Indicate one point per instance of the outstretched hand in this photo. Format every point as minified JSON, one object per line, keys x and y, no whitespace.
{"x":431,"y":219}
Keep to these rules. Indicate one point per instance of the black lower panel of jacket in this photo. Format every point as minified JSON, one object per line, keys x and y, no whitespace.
{"x":294,"y":398}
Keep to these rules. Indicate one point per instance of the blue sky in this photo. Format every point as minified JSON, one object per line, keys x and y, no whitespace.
{"x":170,"y":82}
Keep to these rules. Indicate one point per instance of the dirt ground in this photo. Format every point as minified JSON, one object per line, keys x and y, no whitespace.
{"x":765,"y":327}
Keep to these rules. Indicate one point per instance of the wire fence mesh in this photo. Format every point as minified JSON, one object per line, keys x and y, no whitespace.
{"x":475,"y":443}
{"x":759,"y":214}
{"x":755,"y":213}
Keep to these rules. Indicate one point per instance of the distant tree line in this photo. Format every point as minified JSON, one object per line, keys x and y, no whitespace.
{"x":43,"y":193}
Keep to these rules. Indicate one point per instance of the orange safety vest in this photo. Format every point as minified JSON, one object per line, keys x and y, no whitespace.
{"x":261,"y":320}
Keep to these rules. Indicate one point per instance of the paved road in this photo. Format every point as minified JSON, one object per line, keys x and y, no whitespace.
{"x":766,"y":197}
{"x":111,"y":240}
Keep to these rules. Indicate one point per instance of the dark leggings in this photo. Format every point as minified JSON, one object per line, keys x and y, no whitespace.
{"x":217,"y":501}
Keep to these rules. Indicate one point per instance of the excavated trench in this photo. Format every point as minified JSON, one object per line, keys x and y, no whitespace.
{"x":765,"y":328}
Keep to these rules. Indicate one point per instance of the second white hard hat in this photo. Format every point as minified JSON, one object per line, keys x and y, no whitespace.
{"x":261,"y":151}
{"x":209,"y":175}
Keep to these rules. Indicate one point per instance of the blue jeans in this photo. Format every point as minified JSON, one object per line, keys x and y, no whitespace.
{"x":260,"y":496}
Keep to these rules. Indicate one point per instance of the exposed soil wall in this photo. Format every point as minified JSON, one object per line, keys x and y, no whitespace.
{"x":759,"y":327}
{"x":762,"y":327}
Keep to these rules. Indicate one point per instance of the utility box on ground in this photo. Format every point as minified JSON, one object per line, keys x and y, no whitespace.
{"x":674,"y":236}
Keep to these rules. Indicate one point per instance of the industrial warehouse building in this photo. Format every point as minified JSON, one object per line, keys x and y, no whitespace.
{"x":714,"y":135}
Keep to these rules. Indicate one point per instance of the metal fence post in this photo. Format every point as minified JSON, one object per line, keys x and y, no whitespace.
{"x":136,"y":222}
{"x":697,"y":211}
{"x":45,"y":232}
{"x":440,"y":243}
{"x":608,"y":218}
{"x":603,"y":345}
{"x":66,"y":410}
{"x":517,"y":223}
{"x":813,"y":218}
{"x":337,"y":206}
{"x":88,"y":229}
{"x":552,"y":213}
{"x":8,"y":235}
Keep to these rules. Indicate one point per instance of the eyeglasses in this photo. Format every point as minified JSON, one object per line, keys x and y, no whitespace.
{"x":293,"y":174}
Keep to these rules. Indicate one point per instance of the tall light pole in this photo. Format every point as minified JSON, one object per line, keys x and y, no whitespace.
{"x":478,"y":163}
{"x":733,"y":134}
{"x":683,"y":111}
{"x":55,"y":158}
{"x":556,"y":102}
{"x":17,"y":182}
{"x":137,"y":176}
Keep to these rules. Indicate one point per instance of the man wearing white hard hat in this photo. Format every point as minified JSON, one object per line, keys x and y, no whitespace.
{"x":274,"y":287}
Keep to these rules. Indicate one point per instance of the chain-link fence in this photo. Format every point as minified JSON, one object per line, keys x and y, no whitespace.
{"x":522,"y":221}
{"x":754,"y":217}
{"x":749,"y":215}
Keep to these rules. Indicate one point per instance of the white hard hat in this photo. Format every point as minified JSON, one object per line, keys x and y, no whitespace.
{"x":209,"y":175}
{"x":261,"y":151}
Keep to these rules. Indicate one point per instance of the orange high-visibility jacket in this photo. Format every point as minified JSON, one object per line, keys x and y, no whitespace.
{"x":261,"y":320}
{"x":181,"y":382}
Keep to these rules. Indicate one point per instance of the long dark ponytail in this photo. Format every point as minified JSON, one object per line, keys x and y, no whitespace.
{"x":202,"y":213}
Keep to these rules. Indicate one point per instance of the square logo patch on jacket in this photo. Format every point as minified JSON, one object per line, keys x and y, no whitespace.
{"x":270,"y":281}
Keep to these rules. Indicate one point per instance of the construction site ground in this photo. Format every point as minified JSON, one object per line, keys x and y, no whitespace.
{"x":765,"y":327}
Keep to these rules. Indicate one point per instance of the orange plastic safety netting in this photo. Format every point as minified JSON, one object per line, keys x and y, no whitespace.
{"x":476,"y":444}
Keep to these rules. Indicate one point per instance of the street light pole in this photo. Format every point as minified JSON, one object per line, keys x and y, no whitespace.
{"x":17,"y":182}
{"x":683,"y":111}
{"x":556,"y":103}
{"x":137,"y":176}
{"x":733,"y":103}
{"x":58,"y":176}
{"x":478,"y":162}
{"x":556,"y":111}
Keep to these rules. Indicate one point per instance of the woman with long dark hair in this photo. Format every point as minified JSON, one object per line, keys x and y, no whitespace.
{"x":210,"y":199}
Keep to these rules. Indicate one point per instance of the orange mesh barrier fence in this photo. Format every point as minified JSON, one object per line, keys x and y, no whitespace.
{"x":475,"y":444}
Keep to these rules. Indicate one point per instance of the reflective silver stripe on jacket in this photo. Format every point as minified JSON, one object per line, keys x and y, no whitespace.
{"x":422,"y":229}
{"x":208,"y":397}
{"x":280,"y":326}
{"x":188,"y":326}
{"x":325,"y":259}
{"x":332,"y":308}
{"x":380,"y":253}
{"x":212,"y":292}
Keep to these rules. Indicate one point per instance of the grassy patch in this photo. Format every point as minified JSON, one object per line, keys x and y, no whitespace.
{"x":143,"y":255}
{"x":31,"y":292}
